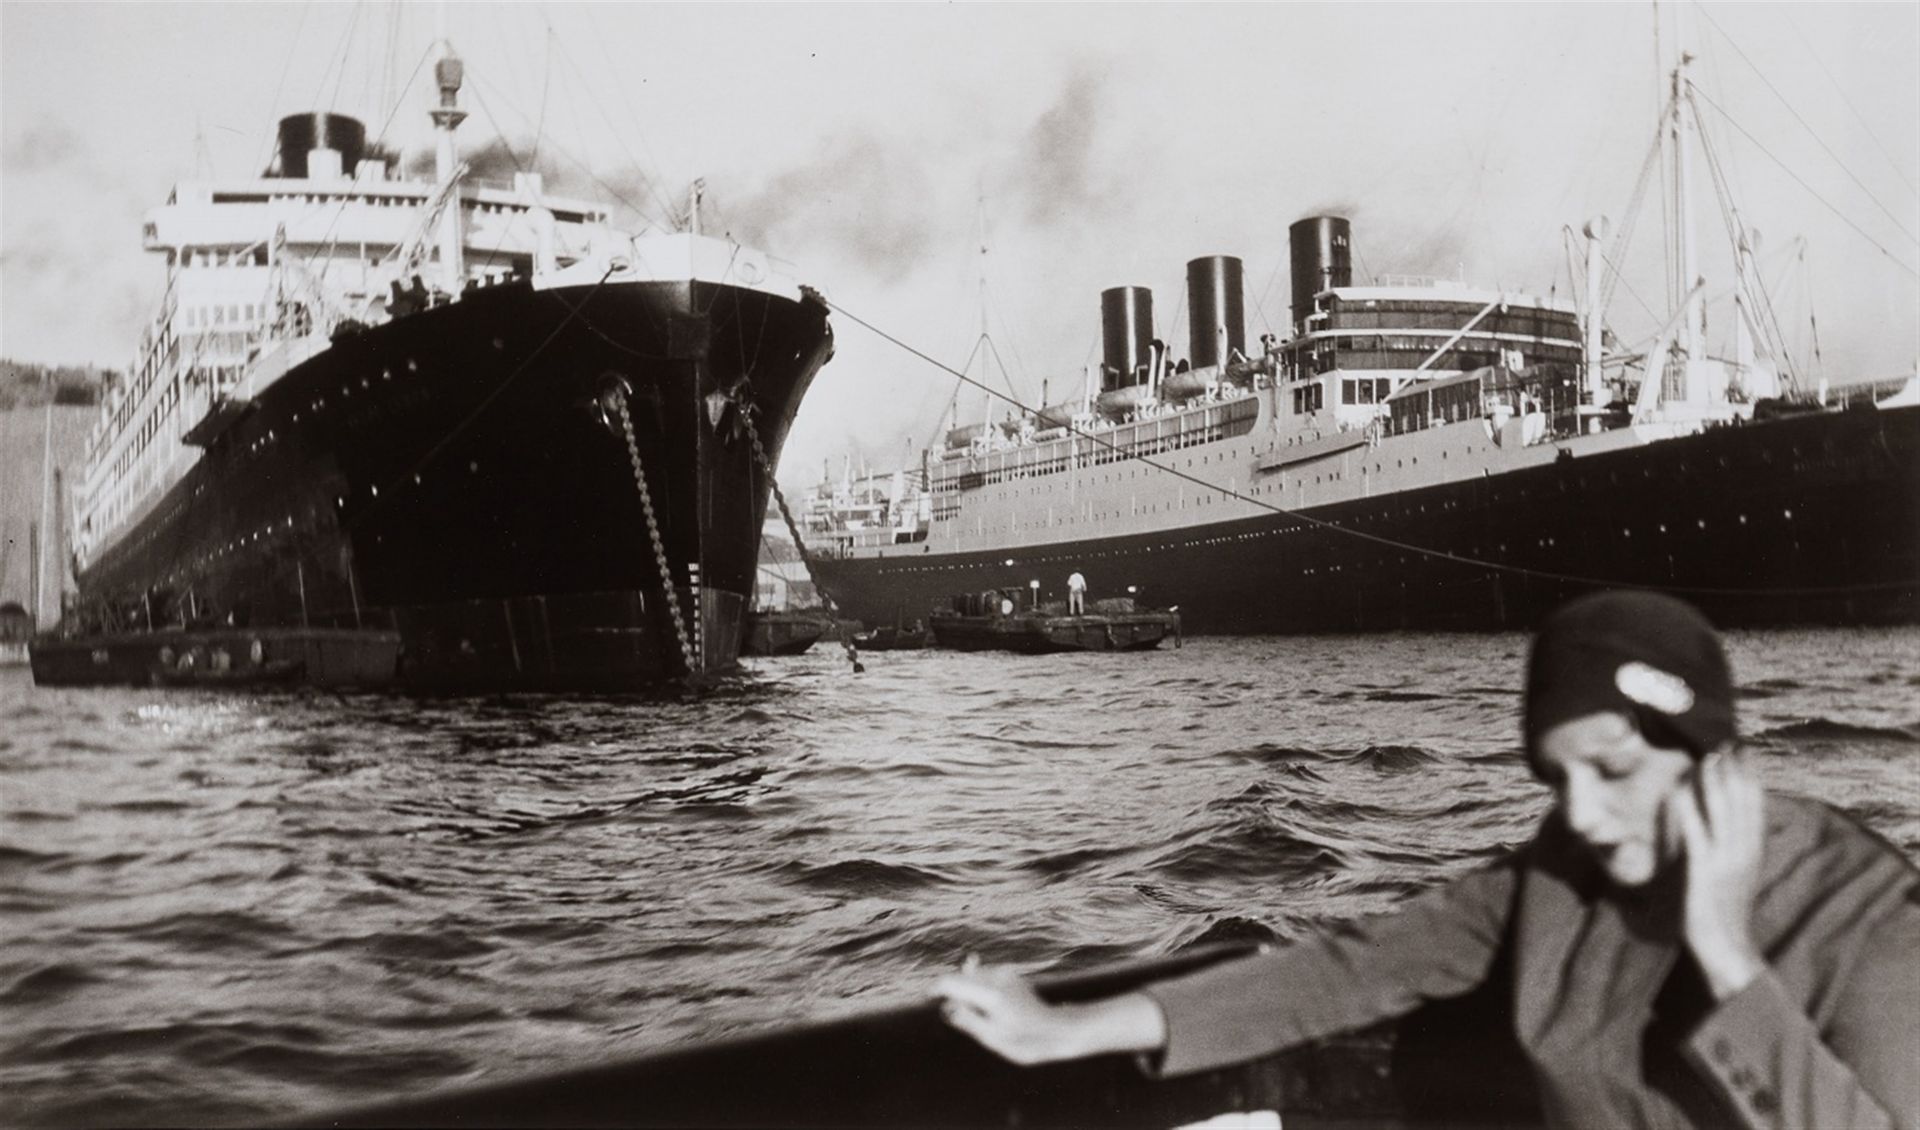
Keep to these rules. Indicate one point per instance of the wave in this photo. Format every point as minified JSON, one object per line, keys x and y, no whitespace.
{"x":219,"y":931}
{"x":147,"y":805}
{"x":1232,"y":928}
{"x":1393,"y":758}
{"x":36,"y":816}
{"x":1266,"y":849}
{"x":47,"y":983}
{"x":1268,"y":751}
{"x":1829,"y":730}
{"x":1046,"y":743}
{"x":1064,"y":863}
{"x":865,"y":942}
{"x":12,"y":856}
{"x":1385,"y":758}
{"x":1403,"y":696}
{"x":444,"y":943}
{"x":861,"y":877}
{"x":110,"y":860}
{"x":1176,"y":899}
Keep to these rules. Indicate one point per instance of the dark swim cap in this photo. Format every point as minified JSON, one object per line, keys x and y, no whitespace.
{"x":1648,"y":656}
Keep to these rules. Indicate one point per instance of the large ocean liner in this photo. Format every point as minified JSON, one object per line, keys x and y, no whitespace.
{"x":1415,"y":454}
{"x":474,"y":417}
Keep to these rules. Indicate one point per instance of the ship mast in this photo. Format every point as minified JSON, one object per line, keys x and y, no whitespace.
{"x":1694,"y":326}
{"x":447,"y":116}
{"x":1594,"y":339}
{"x":986,"y":397}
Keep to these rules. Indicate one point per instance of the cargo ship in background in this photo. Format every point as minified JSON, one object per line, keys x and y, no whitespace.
{"x":1417,"y":454}
{"x":428,"y":411}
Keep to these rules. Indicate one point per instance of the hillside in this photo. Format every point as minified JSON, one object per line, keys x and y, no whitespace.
{"x":30,"y":386}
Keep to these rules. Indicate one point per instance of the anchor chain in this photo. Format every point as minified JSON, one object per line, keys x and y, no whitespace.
{"x":793,"y":528}
{"x":659,"y":544}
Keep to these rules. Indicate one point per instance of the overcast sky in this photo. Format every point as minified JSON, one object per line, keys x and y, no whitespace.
{"x":1108,"y":145}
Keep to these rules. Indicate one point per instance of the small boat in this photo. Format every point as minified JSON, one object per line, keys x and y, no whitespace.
{"x":1445,"y":1064}
{"x":783,"y":633}
{"x":16,"y":628}
{"x":1007,"y":620}
{"x":894,"y":638}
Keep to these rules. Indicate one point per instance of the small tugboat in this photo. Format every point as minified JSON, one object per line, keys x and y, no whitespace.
{"x":892,"y":637}
{"x":787,"y":632}
{"x":1009,"y":620}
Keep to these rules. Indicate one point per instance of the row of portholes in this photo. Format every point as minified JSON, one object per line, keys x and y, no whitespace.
{"x":366,"y":383}
{"x":1700,"y":524}
{"x":242,"y":542}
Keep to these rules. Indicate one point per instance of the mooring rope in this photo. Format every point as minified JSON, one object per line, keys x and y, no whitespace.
{"x":745,"y":406}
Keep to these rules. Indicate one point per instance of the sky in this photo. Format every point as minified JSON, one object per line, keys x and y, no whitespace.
{"x":940,"y":168}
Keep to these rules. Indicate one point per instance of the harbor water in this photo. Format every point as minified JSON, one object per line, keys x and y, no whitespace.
{"x":220,"y":907}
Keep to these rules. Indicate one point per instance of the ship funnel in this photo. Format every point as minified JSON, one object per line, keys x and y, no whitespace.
{"x":1126,"y":324}
{"x":1322,"y":249}
{"x":1216,"y":310}
{"x":300,"y":134}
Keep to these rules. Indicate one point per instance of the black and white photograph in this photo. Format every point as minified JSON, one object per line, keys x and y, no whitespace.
{"x":1219,"y":565}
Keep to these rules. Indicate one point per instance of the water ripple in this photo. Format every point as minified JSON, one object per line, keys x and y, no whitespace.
{"x":223,"y":908}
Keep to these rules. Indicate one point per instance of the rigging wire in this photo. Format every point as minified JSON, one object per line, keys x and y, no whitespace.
{"x":648,"y":168}
{"x":272,"y":135}
{"x":1335,"y":527}
{"x":546,"y":86}
{"x":1803,"y":39}
{"x":393,"y":110}
{"x":1615,"y":277}
{"x":1864,"y":234}
{"x":481,"y":81}
{"x":1260,"y":306}
{"x":388,"y":97}
{"x":340,"y":206}
{"x":346,"y":42}
{"x":1811,"y":132}
{"x":1013,"y":343}
{"x":1768,"y":320}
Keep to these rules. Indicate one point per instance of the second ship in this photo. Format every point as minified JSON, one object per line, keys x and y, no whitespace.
{"x":1415,"y":455}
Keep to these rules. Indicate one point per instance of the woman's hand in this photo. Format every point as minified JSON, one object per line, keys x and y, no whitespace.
{"x":1722,"y":821}
{"x":998,"y":1008}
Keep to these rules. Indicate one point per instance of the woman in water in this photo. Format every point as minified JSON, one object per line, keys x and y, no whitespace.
{"x":1685,"y":949}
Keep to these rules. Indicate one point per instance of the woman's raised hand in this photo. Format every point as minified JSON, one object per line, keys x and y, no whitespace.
{"x":997,"y":1007}
{"x":1722,"y":821}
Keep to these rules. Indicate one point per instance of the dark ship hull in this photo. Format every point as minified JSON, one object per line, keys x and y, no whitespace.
{"x":459,"y":476}
{"x":1808,"y":519}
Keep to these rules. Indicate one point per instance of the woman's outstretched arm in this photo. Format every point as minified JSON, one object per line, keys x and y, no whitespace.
{"x":998,"y":1008}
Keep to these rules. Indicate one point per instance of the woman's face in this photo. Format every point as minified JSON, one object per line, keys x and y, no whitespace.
{"x":1612,"y":790}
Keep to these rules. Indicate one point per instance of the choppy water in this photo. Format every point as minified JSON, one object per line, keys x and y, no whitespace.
{"x":223,"y":908}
